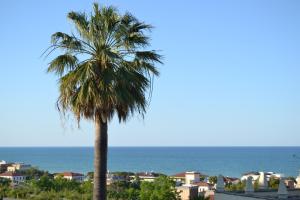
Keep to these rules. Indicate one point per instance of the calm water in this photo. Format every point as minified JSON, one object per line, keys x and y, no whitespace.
{"x":230,"y":161}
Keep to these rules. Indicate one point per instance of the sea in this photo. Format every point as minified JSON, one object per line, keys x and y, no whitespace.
{"x":228,"y":161}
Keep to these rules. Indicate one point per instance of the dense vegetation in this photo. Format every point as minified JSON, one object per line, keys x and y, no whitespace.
{"x":41,"y":185}
{"x":240,"y":186}
{"x":46,"y":187}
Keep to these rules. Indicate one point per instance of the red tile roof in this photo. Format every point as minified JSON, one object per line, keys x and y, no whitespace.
{"x":204,"y":184}
{"x":70,"y":174}
{"x":181,"y":175}
{"x":11,"y":174}
{"x":230,"y":179}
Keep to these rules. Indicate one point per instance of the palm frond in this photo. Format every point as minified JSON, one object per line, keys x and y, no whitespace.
{"x":148,"y":56}
{"x":81,"y":23}
{"x":105,"y":68}
{"x":62,"y":64}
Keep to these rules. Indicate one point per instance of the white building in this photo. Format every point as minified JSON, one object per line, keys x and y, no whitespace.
{"x":71,"y":176}
{"x":179,"y":178}
{"x":268,"y":195}
{"x":18,"y":167}
{"x":3,"y":166}
{"x":2,"y":162}
{"x":146,"y":176}
{"x":298,"y":181}
{"x":231,"y":180}
{"x":187,"y":192}
{"x":111,"y":178}
{"x":192,"y":177}
{"x":255,"y":175}
{"x":15,"y":177}
{"x":190,"y":186}
{"x":204,"y":186}
{"x":187,"y":177}
{"x":251,"y":194}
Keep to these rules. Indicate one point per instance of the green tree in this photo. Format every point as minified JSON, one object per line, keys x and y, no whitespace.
{"x":4,"y":187}
{"x":4,"y":181}
{"x":105,"y":69}
{"x":162,"y":188}
{"x":274,"y":182}
{"x":213,"y":179}
{"x":202,"y":177}
{"x":240,"y":186}
{"x":19,"y":193}
{"x":35,"y":173}
{"x":122,"y":190}
{"x":44,"y":184}
{"x":60,"y":184}
{"x":90,"y":175}
{"x":256,"y":185}
{"x":86,"y":187}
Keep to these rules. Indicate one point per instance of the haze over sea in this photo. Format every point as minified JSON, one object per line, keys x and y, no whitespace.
{"x":229,"y":161}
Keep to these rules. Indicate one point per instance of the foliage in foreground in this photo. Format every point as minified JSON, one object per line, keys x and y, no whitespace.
{"x":47,"y":188}
{"x":240,"y":186}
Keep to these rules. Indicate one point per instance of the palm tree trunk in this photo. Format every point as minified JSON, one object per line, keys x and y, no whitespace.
{"x":100,"y":159}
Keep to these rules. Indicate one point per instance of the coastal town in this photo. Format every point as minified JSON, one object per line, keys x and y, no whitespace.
{"x":150,"y":100}
{"x":189,"y":185}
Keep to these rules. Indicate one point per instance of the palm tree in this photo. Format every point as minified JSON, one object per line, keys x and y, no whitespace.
{"x":105,"y":69}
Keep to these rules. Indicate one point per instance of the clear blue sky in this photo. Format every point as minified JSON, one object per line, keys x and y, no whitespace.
{"x":231,"y":74}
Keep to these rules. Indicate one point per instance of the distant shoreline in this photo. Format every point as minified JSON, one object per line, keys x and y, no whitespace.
{"x":230,"y":161}
{"x":152,"y":146}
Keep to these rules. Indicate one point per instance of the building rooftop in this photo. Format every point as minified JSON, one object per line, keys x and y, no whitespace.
{"x":147,"y":174}
{"x":182,"y":174}
{"x":2,"y":162}
{"x":203,"y":184}
{"x":250,"y":173}
{"x":264,"y":194}
{"x":230,"y":179}
{"x":186,"y":186}
{"x":70,"y":174}
{"x":11,"y":174}
{"x":192,"y":172}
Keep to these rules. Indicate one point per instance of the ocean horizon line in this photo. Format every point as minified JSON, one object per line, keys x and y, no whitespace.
{"x":168,"y":160}
{"x":213,"y":146}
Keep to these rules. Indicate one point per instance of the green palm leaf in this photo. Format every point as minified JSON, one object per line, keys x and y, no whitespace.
{"x":105,"y":70}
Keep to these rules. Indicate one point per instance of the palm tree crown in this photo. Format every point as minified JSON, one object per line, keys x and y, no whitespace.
{"x":105,"y":68}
